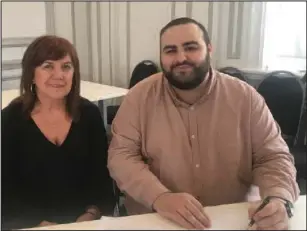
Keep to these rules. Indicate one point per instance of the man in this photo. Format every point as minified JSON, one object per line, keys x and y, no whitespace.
{"x":191,"y":137}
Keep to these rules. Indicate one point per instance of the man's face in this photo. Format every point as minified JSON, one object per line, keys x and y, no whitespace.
{"x":184,"y":57}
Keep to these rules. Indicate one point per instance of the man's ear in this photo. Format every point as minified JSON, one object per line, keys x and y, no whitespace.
{"x":210,"y":48}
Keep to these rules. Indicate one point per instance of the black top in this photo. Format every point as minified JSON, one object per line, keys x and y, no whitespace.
{"x":42,"y":181}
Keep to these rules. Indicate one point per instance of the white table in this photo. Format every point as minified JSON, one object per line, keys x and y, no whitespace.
{"x":223,"y":217}
{"x":89,"y":90}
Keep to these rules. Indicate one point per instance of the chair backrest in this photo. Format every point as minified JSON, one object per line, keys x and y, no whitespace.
{"x":304,"y":78}
{"x":284,"y":95}
{"x":233,"y":71}
{"x":300,"y":140}
{"x":143,"y":70}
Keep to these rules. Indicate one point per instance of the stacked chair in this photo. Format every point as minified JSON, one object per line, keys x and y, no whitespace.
{"x":233,"y":71}
{"x":142,"y":70}
{"x":284,"y":94}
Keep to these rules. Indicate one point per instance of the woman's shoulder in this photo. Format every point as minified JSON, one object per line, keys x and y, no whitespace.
{"x":12,"y":115}
{"x":13,"y":110}
{"x":88,"y":108}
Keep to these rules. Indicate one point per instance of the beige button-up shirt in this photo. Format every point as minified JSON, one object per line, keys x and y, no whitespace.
{"x":215,"y":149}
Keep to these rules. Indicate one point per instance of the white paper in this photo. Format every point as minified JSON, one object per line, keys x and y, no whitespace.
{"x":223,"y":217}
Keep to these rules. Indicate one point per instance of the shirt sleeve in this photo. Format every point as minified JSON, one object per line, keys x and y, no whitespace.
{"x":14,"y":208}
{"x":8,"y":153}
{"x":125,"y":162}
{"x":101,"y":185}
{"x":273,"y":165}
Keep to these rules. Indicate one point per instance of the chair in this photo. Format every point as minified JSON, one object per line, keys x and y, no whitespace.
{"x":233,"y":71}
{"x":284,"y":95}
{"x":120,"y":209}
{"x":304,"y":79}
{"x":142,"y":70}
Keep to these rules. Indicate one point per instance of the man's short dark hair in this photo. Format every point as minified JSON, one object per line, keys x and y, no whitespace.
{"x":186,"y":20}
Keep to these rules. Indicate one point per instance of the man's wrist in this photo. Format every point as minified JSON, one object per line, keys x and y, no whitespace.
{"x":279,"y":192}
{"x":287,"y":203}
{"x":162,"y":194}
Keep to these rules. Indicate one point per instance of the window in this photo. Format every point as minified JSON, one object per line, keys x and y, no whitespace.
{"x":285,"y":36}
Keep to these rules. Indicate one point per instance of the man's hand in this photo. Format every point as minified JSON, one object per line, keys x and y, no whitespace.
{"x":183,"y":209}
{"x":272,"y":217}
{"x":46,"y":223}
{"x":86,"y":217}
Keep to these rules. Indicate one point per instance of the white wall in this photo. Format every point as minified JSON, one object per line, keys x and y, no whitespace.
{"x":23,"y":19}
{"x":112,"y":37}
{"x":21,"y":22}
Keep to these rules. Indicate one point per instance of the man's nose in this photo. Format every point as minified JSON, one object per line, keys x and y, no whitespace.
{"x":181,"y":57}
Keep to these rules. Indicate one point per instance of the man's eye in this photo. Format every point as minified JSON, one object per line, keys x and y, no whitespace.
{"x":170,"y":51}
{"x":191,"y":48}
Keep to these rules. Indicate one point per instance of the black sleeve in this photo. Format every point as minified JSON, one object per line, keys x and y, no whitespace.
{"x":101,"y":184}
{"x":11,"y":201}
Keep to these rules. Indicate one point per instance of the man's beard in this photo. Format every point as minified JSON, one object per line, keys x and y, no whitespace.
{"x":192,"y":80}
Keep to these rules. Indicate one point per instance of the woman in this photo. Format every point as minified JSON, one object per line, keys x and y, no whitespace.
{"x":54,"y":144}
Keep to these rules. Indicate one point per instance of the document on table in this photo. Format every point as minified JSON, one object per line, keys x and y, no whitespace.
{"x":223,"y":217}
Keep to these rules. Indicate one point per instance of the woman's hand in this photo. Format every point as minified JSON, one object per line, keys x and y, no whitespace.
{"x":92,"y":213}
{"x":86,"y":217}
{"x":46,"y":223}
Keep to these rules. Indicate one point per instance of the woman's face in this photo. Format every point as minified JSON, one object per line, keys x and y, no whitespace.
{"x":53,"y":79}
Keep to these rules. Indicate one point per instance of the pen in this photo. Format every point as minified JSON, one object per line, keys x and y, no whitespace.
{"x":263,"y":204}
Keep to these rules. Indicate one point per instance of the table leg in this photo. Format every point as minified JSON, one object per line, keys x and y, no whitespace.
{"x":103,"y":110}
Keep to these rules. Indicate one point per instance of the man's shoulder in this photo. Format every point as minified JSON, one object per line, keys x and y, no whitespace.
{"x":236,"y":92}
{"x":234,"y":85}
{"x":148,"y":87}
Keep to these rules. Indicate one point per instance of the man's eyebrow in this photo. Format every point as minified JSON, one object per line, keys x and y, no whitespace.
{"x":190,"y":43}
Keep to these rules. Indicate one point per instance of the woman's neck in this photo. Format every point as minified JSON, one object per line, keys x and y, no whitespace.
{"x":48,"y":105}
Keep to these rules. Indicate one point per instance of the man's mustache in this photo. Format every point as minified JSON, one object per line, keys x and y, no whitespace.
{"x":183,"y":63}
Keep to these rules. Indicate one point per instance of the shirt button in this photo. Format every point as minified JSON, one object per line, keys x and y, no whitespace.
{"x":193,"y":136}
{"x":197,"y":165}
{"x":191,"y":108}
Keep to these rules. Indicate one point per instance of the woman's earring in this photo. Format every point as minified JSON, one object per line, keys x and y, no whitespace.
{"x":32,"y":88}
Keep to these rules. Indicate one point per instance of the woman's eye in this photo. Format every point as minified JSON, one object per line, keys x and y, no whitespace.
{"x":47,"y":66}
{"x":67,"y":67}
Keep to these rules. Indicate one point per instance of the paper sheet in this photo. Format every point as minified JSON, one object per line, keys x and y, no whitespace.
{"x":223,"y":217}
{"x":229,"y":217}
